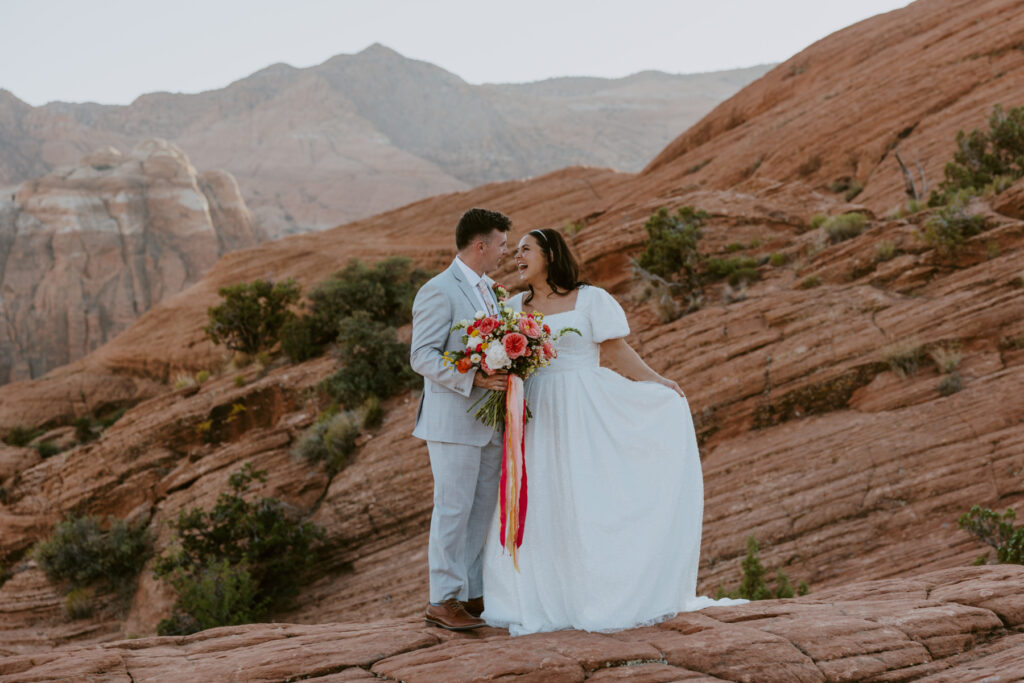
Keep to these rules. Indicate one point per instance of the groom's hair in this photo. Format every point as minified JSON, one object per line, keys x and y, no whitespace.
{"x":479,"y":223}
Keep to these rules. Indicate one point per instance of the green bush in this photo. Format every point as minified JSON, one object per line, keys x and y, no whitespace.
{"x":236,"y":561}
{"x":21,"y":436}
{"x":817,"y":220}
{"x":753,"y":585}
{"x":950,"y":226}
{"x":904,"y":358}
{"x":298,"y":340}
{"x":252,"y":314}
{"x":985,"y":158}
{"x":885,"y":251}
{"x":331,"y":439}
{"x":373,"y":362}
{"x":844,"y":226}
{"x":671,"y":248}
{"x":78,"y":603}
{"x":809,"y":282}
{"x":47,"y":449}
{"x":385,"y":291}
{"x":372,"y":415}
{"x":997,"y":531}
{"x":80,"y":551}
{"x":83,"y":429}
{"x":778,"y":259}
{"x":217,"y":594}
{"x":737,"y":269}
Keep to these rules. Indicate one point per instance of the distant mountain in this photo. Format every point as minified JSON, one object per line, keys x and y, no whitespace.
{"x":359,"y":134}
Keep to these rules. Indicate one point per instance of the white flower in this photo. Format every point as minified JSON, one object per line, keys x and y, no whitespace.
{"x":497,"y":359}
{"x":475,"y":358}
{"x":464,"y":323}
{"x":478,"y":315}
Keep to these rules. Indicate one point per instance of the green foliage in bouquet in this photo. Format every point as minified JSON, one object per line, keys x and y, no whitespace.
{"x":252,"y":314}
{"x":235,"y":562}
{"x":81,"y":551}
{"x":373,"y":362}
{"x":997,"y":531}
{"x":753,"y":585}
{"x":992,"y":158}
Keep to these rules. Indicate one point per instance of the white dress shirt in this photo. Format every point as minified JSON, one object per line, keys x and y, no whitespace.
{"x":474,"y":282}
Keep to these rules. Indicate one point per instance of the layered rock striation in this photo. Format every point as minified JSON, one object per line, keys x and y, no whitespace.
{"x":87,"y":249}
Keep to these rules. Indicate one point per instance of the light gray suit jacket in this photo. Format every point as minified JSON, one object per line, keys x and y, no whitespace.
{"x":447,"y":394}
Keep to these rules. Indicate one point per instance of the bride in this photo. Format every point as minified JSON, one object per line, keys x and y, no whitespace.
{"x":615,"y":498}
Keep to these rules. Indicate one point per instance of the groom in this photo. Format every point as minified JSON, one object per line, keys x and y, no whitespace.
{"x":465,"y":455}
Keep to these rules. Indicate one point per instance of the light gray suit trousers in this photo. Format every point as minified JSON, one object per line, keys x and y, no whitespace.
{"x":465,"y":455}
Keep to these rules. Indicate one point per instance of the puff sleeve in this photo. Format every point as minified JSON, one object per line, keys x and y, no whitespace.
{"x":607,"y":319}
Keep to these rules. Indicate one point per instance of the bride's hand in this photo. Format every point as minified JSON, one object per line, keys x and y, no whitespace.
{"x":671,"y":385}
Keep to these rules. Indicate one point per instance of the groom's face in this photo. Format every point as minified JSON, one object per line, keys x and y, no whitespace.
{"x":495,"y":245}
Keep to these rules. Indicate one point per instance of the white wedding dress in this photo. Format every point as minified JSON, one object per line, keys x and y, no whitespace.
{"x":615,"y":496}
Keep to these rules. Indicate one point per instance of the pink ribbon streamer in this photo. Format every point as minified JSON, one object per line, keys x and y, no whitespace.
{"x":513,"y":470}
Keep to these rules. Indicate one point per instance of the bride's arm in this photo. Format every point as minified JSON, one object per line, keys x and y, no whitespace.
{"x":620,"y":354}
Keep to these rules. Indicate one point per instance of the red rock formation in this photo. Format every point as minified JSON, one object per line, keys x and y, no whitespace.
{"x":89,"y":248}
{"x":909,"y":78}
{"x":953,"y":625}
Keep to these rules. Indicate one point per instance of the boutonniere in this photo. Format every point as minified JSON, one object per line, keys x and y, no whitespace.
{"x":500,"y":292}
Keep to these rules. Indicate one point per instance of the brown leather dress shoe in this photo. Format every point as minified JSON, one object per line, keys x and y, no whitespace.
{"x":453,"y":616}
{"x":475,"y":606}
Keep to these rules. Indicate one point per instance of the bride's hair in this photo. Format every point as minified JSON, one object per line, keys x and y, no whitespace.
{"x":563,"y":271}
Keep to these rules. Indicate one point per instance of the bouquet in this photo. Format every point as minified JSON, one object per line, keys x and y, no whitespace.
{"x":520,"y":343}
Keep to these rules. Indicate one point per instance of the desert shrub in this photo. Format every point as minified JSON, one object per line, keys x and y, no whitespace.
{"x":671,"y":248}
{"x":572,"y":227}
{"x":252,"y":314}
{"x":753,"y":585}
{"x":809,"y":282}
{"x":1012,"y":343}
{"x":903,"y":358}
{"x":733,"y":246}
{"x":78,"y":603}
{"x":946,"y":358}
{"x":21,"y":436}
{"x":373,"y":362}
{"x":844,"y":226}
{"x":997,"y":531}
{"x":371,"y":413}
{"x":239,"y":381}
{"x":236,"y":561}
{"x":298,"y":340}
{"x":950,"y":226}
{"x":737,"y":269}
{"x":331,"y":439}
{"x":216,"y":594}
{"x":81,"y":552}
{"x":817,"y":220}
{"x":202,"y":376}
{"x":83,"y":429}
{"x":950,"y":384}
{"x":885,"y":251}
{"x":183,"y":380}
{"x":47,"y":449}
{"x":992,"y":158}
{"x":778,"y":259}
{"x":385,"y":291}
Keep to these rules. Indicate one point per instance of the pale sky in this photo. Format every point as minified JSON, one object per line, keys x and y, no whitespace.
{"x":112,"y":51}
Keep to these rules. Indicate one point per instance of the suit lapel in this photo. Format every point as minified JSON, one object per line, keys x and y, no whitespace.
{"x":464,"y":285}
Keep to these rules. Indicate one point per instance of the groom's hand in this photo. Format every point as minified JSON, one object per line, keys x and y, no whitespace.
{"x":495,"y":382}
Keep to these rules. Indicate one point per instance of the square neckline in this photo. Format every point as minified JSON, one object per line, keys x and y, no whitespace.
{"x":575,"y":306}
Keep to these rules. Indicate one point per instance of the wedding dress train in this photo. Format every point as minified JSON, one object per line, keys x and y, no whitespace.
{"x":615,"y":494}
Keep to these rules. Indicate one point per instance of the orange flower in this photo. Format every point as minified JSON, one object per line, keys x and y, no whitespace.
{"x":515,"y":344}
{"x":464,"y":365}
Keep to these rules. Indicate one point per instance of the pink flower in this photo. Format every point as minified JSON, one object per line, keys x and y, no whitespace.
{"x":487,"y":325}
{"x":547,"y":350}
{"x":515,"y":344}
{"x":529,"y":327}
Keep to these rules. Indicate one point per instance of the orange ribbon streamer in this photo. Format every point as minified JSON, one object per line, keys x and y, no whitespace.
{"x":513,"y":470}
